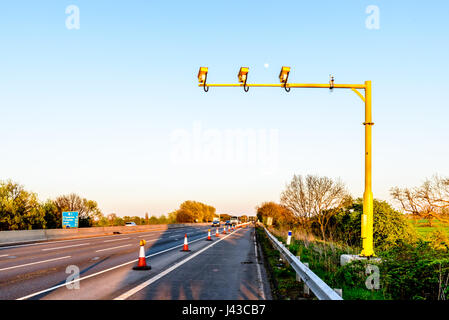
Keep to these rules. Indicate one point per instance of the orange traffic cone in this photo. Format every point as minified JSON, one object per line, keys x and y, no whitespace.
{"x":186,"y":245}
{"x":224,"y":230}
{"x":142,"y":265}
{"x":217,"y":233}
{"x":208,"y":236}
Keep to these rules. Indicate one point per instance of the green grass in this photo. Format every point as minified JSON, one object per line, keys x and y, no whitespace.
{"x":424,"y":229}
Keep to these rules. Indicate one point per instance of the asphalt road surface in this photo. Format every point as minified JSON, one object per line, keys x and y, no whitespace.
{"x":226,"y":268}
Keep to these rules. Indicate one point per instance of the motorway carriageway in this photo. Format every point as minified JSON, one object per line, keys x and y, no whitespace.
{"x":40,"y":270}
{"x":29,"y":268}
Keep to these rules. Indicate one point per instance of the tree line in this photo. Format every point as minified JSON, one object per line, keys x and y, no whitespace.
{"x":322,"y":206}
{"x":21,"y":210}
{"x":326,"y":222}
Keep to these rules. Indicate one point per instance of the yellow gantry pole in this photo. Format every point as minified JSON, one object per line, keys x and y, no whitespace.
{"x":367,"y":216}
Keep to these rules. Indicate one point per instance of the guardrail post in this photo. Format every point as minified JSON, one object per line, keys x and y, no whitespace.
{"x":298,"y":278}
{"x":339,"y":292}
{"x":306,"y":288}
{"x":286,"y":262}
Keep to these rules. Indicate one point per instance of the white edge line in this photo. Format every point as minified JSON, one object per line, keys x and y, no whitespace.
{"x":29,"y":264}
{"x":101,"y":272}
{"x":259,"y":274}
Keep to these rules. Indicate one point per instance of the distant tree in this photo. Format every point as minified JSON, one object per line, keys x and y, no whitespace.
{"x":154,"y":220}
{"x":280,"y":214}
{"x":111,"y":217}
{"x":428,"y":201}
{"x":146,"y":218}
{"x":114,"y":220}
{"x":184,"y":216}
{"x":225,"y":216}
{"x":194,"y":211}
{"x":118,"y":221}
{"x":172,"y":217}
{"x":138,"y":220}
{"x":314,"y":197}
{"x":53,"y":219}
{"x":163,"y":219}
{"x":19,"y":209}
{"x":102,"y":222}
{"x":87,"y":209}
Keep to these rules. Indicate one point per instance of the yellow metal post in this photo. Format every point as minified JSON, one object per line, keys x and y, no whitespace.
{"x":367,"y":216}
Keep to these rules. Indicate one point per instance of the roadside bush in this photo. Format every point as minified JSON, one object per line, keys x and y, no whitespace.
{"x":351,"y":274}
{"x":439,"y":240}
{"x":390,"y":226}
{"x":418,"y":271}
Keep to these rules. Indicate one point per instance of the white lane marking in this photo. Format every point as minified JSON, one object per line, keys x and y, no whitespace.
{"x":74,"y":245}
{"x":147,"y":235}
{"x":259,"y":273}
{"x":175,"y":235}
{"x":4,"y":255}
{"x":116,"y":239}
{"x":126,"y":245}
{"x":154,"y":238}
{"x":131,"y":292}
{"x":101,"y":272}
{"x":29,"y":264}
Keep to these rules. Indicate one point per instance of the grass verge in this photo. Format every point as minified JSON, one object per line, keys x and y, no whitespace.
{"x":324,"y":261}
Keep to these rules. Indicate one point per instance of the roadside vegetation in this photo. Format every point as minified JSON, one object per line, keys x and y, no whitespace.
{"x":282,"y":277}
{"x":413,"y":245}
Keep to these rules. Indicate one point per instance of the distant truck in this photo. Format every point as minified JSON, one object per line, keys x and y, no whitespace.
{"x":234,"y":220}
{"x":216,"y":222}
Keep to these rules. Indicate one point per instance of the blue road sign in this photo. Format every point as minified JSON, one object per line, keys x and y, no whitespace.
{"x":70,"y":219}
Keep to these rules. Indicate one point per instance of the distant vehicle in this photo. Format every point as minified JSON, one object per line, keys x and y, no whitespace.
{"x":234,"y":220}
{"x":216,"y":222}
{"x":130,"y":224}
{"x":228,"y":223}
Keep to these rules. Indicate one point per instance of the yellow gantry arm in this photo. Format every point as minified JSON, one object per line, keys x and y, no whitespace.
{"x":288,"y":85}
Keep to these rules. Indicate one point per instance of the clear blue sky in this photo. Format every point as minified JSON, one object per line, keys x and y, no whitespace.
{"x":94,"y":111}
